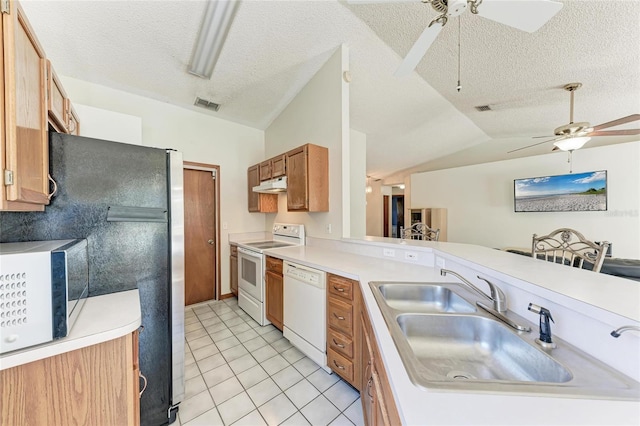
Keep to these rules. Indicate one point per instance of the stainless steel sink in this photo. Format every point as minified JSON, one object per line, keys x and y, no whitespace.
{"x":412,"y":297}
{"x":445,"y":343}
{"x":476,"y":348}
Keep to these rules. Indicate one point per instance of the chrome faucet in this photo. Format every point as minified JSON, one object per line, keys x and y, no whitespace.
{"x":497,"y":296}
{"x":616,"y":333}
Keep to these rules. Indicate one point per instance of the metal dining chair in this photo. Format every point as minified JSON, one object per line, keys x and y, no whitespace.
{"x":569,"y":247}
{"x":420,"y":231}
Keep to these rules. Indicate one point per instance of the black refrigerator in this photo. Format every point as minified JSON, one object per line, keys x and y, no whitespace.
{"x":127,"y":201}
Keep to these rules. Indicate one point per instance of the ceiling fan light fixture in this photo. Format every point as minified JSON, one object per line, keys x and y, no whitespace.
{"x":213,"y":33}
{"x":571,"y":144}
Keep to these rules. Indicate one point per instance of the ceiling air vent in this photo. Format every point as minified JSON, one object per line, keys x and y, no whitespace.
{"x":207,"y":104}
{"x":483,"y":108}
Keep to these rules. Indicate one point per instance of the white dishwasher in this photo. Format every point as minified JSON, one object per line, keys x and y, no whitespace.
{"x":305,"y":300}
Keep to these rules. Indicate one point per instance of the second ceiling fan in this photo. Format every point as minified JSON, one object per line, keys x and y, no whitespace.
{"x":525,"y":15}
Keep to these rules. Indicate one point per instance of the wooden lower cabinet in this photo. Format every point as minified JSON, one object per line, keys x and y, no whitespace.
{"x":343,"y":302}
{"x":274,"y":292}
{"x":96,"y":385}
{"x":378,"y":405}
{"x":233,"y":268}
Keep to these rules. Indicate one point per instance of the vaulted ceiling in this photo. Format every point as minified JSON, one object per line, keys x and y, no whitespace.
{"x":415,"y":123}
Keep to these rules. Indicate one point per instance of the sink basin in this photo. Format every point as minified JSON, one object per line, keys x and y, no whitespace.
{"x":466,"y":347}
{"x":422,"y":298}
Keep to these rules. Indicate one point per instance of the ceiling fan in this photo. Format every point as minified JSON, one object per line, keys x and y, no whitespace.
{"x":573,"y":136}
{"x":525,"y":15}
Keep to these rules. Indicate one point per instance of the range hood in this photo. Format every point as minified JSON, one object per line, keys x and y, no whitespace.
{"x":272,"y":186}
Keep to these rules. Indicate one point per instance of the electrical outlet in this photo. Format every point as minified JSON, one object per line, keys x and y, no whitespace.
{"x":389,"y":252}
{"x":440,"y":262}
{"x":411,"y":255}
{"x":328,"y":228}
{"x":225,"y":225}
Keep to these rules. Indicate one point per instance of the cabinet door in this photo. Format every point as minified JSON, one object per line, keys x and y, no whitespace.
{"x":265,"y":170}
{"x":274,"y":296}
{"x":368,"y":393}
{"x":253,"y":179}
{"x":56,"y":101}
{"x":234,"y":274}
{"x":278,"y":166}
{"x":297,"y":195}
{"x":25,"y":155}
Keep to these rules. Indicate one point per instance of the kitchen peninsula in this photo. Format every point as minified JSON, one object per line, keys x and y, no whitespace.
{"x":585,"y":306}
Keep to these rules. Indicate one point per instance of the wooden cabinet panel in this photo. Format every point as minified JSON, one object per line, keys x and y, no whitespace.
{"x":56,"y":101}
{"x":257,"y":202}
{"x":265,"y":170}
{"x":274,"y":292}
{"x":95,"y":385}
{"x":341,"y":365}
{"x":343,"y":346}
{"x":378,"y":404}
{"x":308,"y":179}
{"x":233,"y":267}
{"x":278,"y":166}
{"x":340,"y":286}
{"x":340,"y":316}
{"x":340,"y":343}
{"x":24,"y":154}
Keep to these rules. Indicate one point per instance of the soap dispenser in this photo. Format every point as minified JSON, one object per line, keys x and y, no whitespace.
{"x":545,"y":327}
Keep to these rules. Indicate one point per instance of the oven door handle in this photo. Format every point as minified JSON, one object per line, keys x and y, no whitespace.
{"x":250,"y":253}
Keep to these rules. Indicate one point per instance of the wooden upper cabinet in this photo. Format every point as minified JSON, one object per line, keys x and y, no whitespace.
{"x":262,"y":203}
{"x":57,"y":101}
{"x":265,"y":170}
{"x":308,"y":179}
{"x":24,"y":147}
{"x":273,"y":168}
{"x":278,"y":166}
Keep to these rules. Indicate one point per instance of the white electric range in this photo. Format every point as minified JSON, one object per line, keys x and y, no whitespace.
{"x":251,"y":267}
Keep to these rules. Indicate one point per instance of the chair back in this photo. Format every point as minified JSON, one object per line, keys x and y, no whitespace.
{"x":569,"y":247}
{"x":420,"y":231}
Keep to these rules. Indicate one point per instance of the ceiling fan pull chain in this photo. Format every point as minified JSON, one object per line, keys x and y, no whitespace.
{"x":459,"y":87}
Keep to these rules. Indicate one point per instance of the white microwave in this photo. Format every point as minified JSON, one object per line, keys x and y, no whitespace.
{"x":43,"y":286}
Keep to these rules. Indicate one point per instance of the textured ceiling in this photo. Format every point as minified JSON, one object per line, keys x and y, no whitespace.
{"x":418,"y":122}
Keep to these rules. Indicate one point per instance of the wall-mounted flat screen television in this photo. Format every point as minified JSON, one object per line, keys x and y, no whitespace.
{"x":562,"y":193}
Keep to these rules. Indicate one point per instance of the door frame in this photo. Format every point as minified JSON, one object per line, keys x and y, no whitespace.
{"x":216,"y":220}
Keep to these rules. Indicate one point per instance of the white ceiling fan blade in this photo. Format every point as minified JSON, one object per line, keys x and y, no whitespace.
{"x":525,"y":15}
{"x":380,"y":1}
{"x":419,"y":48}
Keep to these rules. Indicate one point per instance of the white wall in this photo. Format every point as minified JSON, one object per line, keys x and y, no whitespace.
{"x":479,"y":199}
{"x":316,"y":115}
{"x":201,"y":138}
{"x":358,"y":183}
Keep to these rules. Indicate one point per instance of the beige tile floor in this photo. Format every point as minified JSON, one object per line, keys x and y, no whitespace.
{"x":239,"y":373}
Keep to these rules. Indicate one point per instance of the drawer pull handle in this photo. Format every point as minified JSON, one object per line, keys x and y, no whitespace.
{"x":338,"y":316}
{"x":340,"y":289}
{"x":145,"y":383}
{"x":369,"y":384}
{"x":338,"y":365}
{"x":337,"y":344}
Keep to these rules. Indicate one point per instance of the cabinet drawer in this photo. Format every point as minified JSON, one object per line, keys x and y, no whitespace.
{"x":340,"y":343}
{"x":340,"y":316}
{"x":341,"y":287}
{"x":340,"y":365}
{"x":274,"y":265}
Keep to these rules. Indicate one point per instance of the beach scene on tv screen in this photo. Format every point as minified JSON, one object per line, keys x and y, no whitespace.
{"x":572,"y":192}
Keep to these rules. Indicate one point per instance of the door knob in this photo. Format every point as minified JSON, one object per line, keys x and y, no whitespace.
{"x":211,"y":242}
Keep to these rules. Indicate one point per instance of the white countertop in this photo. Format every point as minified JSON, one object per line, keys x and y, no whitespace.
{"x":420,"y":406}
{"x":102,"y":318}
